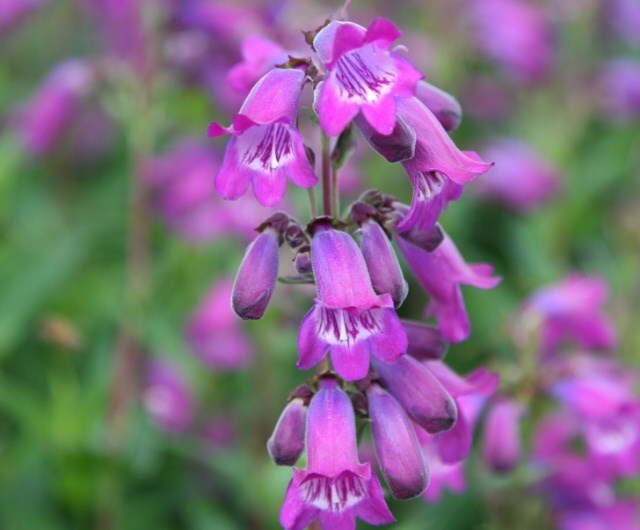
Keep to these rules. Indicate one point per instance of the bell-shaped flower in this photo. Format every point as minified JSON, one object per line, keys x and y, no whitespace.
{"x":335,"y":487}
{"x":382,"y":262}
{"x":425,"y":342}
{"x":265,"y":148}
{"x":396,"y":446}
{"x":571,"y":310}
{"x":440,"y":273}
{"x":438,"y":170}
{"x":423,"y":397}
{"x":364,"y":75}
{"x":287,"y":441}
{"x":348,"y":320}
{"x":501,"y":437}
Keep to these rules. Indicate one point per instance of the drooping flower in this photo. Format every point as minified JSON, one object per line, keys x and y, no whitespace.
{"x":425,"y":342}
{"x":167,"y":397}
{"x":364,"y":75}
{"x":501,"y":439}
{"x":265,"y":148}
{"x":43,"y":119}
{"x":516,"y":34}
{"x":521,"y":179}
{"x":287,"y":441}
{"x":335,"y":487}
{"x":215,"y":333}
{"x":440,"y":273}
{"x":348,"y":320}
{"x":571,"y":310}
{"x":396,"y":446}
{"x":443,"y":105}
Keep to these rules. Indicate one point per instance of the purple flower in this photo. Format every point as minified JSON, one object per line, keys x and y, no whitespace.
{"x":440,"y":273}
{"x":620,"y":86}
{"x":421,"y":394}
{"x":167,"y":397}
{"x":183,"y":192}
{"x":348,"y":319}
{"x":516,"y":35}
{"x":13,"y":11}
{"x":364,"y":75}
{"x":256,"y":278}
{"x":265,"y":148}
{"x":214,"y":332}
{"x":442,"y":104}
{"x":43,"y":119}
{"x":520,"y":179}
{"x":335,"y":487}
{"x":572,"y":310}
{"x":259,"y":55}
{"x":397,"y":448}
{"x":287,"y":441}
{"x":501,"y":440}
{"x":438,"y":169}
{"x":425,"y":342}
{"x":382,"y":262}
{"x":624,"y":18}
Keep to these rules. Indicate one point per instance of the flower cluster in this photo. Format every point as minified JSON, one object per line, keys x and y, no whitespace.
{"x":372,"y":365}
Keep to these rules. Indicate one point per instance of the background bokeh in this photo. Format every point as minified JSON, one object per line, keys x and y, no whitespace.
{"x":108,"y":266}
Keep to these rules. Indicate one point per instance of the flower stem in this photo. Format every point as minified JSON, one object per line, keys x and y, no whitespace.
{"x":327,"y":177}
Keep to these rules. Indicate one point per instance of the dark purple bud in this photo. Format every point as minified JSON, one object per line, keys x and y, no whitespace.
{"x":294,"y":235}
{"x":399,"y":145}
{"x":425,"y":342}
{"x":423,"y":397}
{"x":396,"y":445}
{"x":501,"y":436}
{"x":443,"y":105}
{"x":257,"y":275}
{"x":302,"y":260}
{"x":287,"y":441}
{"x":382,"y":263}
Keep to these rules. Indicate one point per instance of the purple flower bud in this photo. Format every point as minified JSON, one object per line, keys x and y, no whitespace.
{"x":428,"y":238}
{"x":257,"y":275}
{"x":426,"y":343}
{"x":501,"y":440}
{"x":443,"y":105}
{"x":302,"y":261}
{"x":420,"y":393}
{"x":397,"y":448}
{"x":395,"y":147}
{"x":287,"y":441}
{"x":382,"y":263}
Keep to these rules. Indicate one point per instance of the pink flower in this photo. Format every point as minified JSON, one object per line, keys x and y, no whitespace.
{"x":265,"y":148}
{"x":215,"y":333}
{"x":501,"y":448}
{"x":13,"y":11}
{"x":440,"y":273}
{"x":348,"y":320}
{"x":364,"y":75}
{"x":335,"y":487}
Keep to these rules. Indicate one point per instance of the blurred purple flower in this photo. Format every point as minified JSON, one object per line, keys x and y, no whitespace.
{"x":501,"y":437}
{"x":12,"y":12}
{"x":516,"y":34}
{"x":215,"y":333}
{"x":42,"y":120}
{"x":571,"y":310}
{"x":624,"y":18}
{"x":620,"y":88}
{"x":182,"y":185}
{"x":520,"y":179}
{"x":167,"y":397}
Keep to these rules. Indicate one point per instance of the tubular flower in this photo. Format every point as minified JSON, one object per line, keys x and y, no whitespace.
{"x":348,"y":319}
{"x":335,"y":488}
{"x":501,"y":447}
{"x":265,"y":148}
{"x":364,"y":75}
{"x":440,"y":273}
{"x":167,"y":397}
